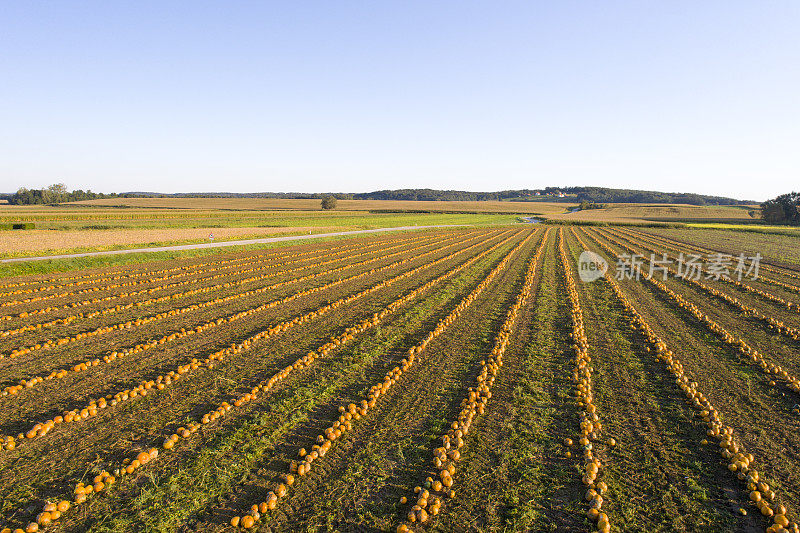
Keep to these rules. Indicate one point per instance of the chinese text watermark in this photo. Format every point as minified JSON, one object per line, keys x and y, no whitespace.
{"x":688,"y":266}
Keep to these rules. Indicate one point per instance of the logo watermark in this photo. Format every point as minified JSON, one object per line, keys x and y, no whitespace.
{"x":591,"y":266}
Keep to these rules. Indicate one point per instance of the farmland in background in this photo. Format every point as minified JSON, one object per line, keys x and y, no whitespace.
{"x":664,"y":213}
{"x":267,"y":204}
{"x":70,"y":228}
{"x":120,"y":223}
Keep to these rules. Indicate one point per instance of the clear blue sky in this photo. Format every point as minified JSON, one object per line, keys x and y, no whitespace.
{"x":355,"y":96}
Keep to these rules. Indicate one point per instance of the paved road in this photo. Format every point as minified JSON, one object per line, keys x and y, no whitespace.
{"x":223,"y":243}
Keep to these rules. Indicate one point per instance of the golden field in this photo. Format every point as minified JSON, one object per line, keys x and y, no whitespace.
{"x":25,"y":242}
{"x":342,"y":205}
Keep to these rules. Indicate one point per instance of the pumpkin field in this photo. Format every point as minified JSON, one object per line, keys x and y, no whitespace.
{"x":461,"y":379}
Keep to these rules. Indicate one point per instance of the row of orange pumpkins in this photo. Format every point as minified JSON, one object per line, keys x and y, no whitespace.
{"x":590,"y":423}
{"x":59,"y":374}
{"x":747,"y":351}
{"x":738,"y":460}
{"x":430,"y":496}
{"x":185,"y":294}
{"x":140,"y":458}
{"x":41,"y":429}
{"x":762,"y":266}
{"x":201,"y":305}
{"x":792,"y":306}
{"x":354,"y":412}
{"x":772,"y":323}
{"x":154,"y":276}
{"x":764,"y":294}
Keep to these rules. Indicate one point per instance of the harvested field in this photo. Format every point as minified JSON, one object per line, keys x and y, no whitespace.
{"x":664,"y":213}
{"x":76,"y":228}
{"x":442,"y":380}
{"x":345,"y":205}
{"x":26,"y":242}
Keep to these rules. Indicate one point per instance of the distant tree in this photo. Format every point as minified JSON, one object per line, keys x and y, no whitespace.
{"x":59,"y":192}
{"x":785,"y":209}
{"x":21,"y":197}
{"x":585,"y":204}
{"x":329,"y":202}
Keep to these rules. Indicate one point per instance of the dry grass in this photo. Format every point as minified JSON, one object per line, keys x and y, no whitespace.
{"x":25,"y":242}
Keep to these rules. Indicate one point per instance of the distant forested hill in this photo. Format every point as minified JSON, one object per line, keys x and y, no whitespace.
{"x":598,"y":195}
{"x":604,"y":195}
{"x":573,"y":194}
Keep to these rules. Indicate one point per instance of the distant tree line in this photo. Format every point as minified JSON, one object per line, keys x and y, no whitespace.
{"x":591,"y":195}
{"x":433,"y":195}
{"x":602,"y":194}
{"x":783,"y":210}
{"x":289,"y":195}
{"x":54,"y":194}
